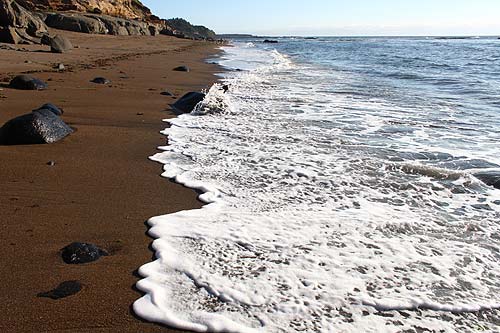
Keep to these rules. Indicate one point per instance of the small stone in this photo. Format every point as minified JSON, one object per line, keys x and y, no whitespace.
{"x":51,"y":163}
{"x":140,"y":113}
{"x":65,"y":289}
{"x":100,"y":80}
{"x":181,"y":69}
{"x":81,"y":253}
{"x":27,"y":82}
{"x":61,"y":67}
{"x":166,"y":93}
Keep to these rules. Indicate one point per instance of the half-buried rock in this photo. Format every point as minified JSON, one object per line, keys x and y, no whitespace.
{"x":100,"y":80}
{"x":65,"y":289}
{"x":81,"y":253}
{"x":182,"y":69}
{"x":52,"y":108}
{"x":60,"y":44}
{"x":188,"y":102}
{"x":27,"y":82}
{"x":490,"y":178}
{"x":38,"y":127}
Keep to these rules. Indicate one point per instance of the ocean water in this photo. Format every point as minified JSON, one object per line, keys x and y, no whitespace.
{"x":340,"y":176}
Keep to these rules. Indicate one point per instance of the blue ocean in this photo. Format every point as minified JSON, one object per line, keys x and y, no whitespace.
{"x":352,"y":185}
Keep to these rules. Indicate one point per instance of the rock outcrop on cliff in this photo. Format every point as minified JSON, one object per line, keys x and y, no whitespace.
{"x":26,"y":21}
{"x":101,"y":24}
{"x":127,"y":9}
{"x":18,"y":25}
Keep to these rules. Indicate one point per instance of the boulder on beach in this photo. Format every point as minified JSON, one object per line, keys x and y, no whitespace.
{"x":64,"y":289}
{"x":100,"y":80}
{"x":60,"y":44}
{"x":490,"y":178}
{"x":270,"y":41}
{"x":27,"y":82}
{"x":166,"y":93}
{"x":18,"y":25}
{"x":39,"y":127}
{"x":81,"y":253}
{"x":52,"y":108}
{"x":181,"y":69}
{"x":188,"y":102}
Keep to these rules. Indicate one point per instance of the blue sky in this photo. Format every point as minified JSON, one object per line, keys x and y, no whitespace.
{"x":338,"y":17}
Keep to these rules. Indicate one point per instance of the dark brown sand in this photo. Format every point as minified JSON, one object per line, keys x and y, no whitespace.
{"x":102,"y":187}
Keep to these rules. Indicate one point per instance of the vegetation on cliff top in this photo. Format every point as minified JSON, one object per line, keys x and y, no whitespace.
{"x":189,"y":30}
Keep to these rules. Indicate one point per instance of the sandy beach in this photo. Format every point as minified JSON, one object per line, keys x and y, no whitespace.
{"x":102,"y":187}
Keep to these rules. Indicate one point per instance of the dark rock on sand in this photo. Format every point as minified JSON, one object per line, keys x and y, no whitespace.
{"x":18,"y":25}
{"x":65,"y":289}
{"x":38,"y":127}
{"x":27,"y":82}
{"x":187,"y":103}
{"x":100,"y":80}
{"x":490,"y":178}
{"x":166,"y":93}
{"x":81,"y":253}
{"x":60,"y":44}
{"x":52,"y":108}
{"x":270,"y":41}
{"x":181,"y":69}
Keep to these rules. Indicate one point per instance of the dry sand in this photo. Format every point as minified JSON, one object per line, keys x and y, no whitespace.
{"x":102,"y":187}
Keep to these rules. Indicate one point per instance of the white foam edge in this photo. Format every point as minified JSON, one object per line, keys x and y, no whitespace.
{"x":151,"y":306}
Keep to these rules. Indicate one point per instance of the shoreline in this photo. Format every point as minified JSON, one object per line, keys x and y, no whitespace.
{"x":102,"y":188}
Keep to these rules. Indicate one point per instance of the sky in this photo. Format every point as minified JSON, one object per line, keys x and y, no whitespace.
{"x":338,"y":17}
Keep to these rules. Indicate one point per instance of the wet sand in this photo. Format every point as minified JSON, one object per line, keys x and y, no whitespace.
{"x":102,"y":188}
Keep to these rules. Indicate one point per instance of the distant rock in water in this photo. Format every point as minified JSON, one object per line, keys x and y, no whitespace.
{"x":182,"y":69}
{"x":81,"y":253}
{"x":60,"y":44}
{"x":188,"y":102}
{"x":27,"y":82}
{"x":270,"y":41}
{"x":490,"y":178}
{"x":100,"y":80}
{"x":52,"y":108}
{"x":39,"y":127}
{"x":65,"y":289}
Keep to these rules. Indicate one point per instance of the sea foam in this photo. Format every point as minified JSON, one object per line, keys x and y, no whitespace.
{"x":314,"y":221}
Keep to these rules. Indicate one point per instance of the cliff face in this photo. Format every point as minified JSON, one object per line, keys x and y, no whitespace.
{"x":26,"y":21}
{"x":129,"y":9}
